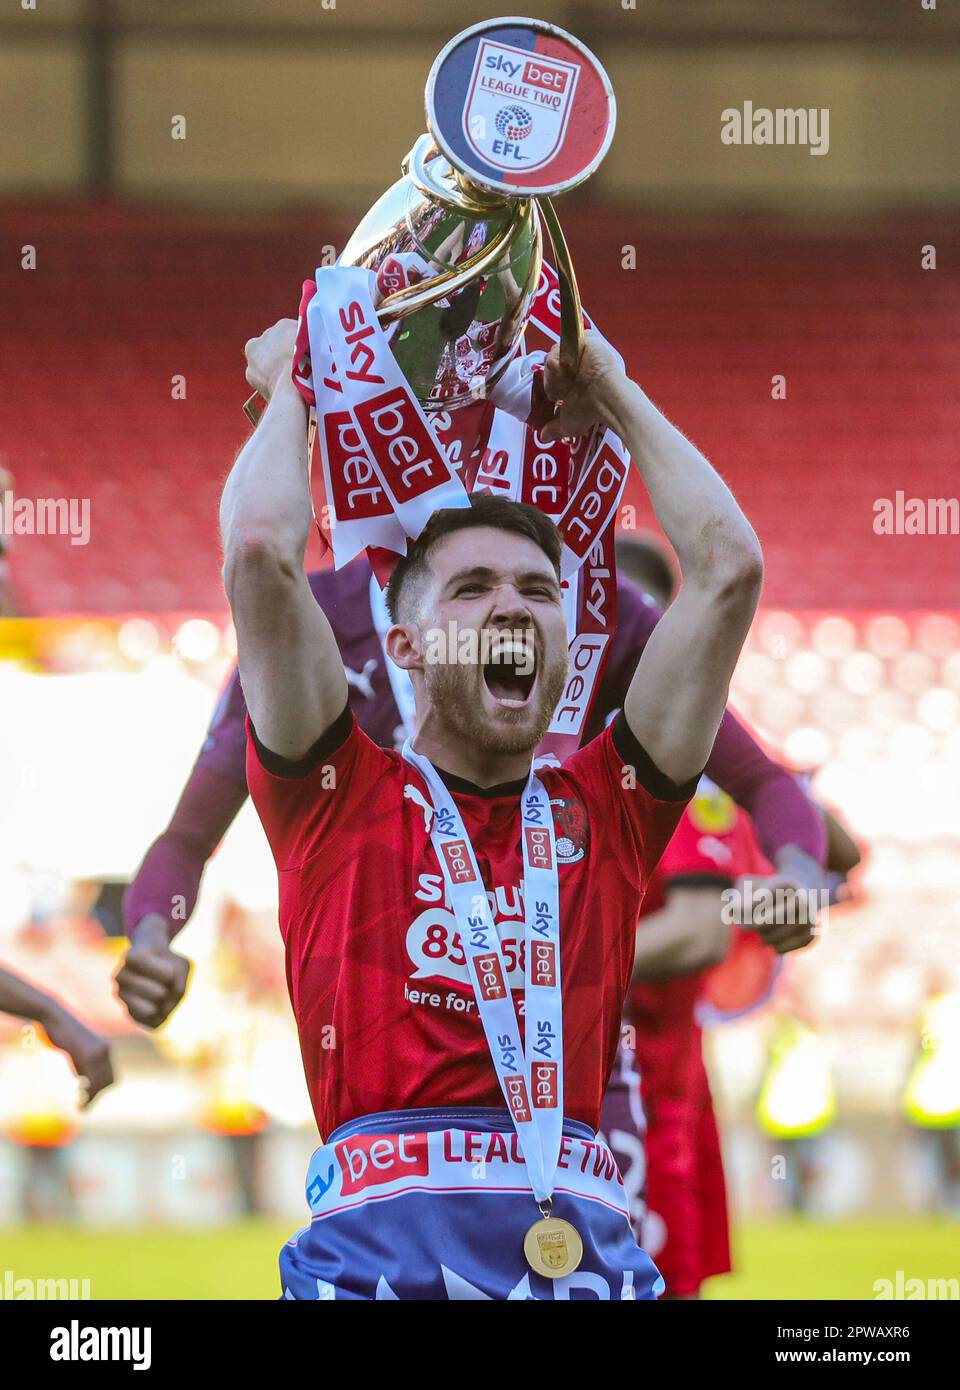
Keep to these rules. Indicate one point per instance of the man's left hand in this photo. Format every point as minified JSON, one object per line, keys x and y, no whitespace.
{"x":584,"y":396}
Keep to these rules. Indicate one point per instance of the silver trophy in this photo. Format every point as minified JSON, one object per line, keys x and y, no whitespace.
{"x":517,"y":111}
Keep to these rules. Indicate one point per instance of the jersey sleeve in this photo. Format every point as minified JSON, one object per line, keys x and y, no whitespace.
{"x":631,"y":805}
{"x":302,"y":804}
{"x":225,"y":746}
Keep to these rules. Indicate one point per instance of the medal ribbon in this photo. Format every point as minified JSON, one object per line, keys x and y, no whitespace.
{"x":531,"y":1078}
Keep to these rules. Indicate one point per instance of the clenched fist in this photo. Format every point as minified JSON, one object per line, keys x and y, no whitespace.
{"x":270,"y":356}
{"x":153,"y":978}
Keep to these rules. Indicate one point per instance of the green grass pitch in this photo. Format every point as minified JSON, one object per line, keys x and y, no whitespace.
{"x":784,"y":1259}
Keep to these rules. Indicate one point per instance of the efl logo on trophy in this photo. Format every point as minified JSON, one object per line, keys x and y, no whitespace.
{"x":517,"y":108}
{"x":520,"y":107}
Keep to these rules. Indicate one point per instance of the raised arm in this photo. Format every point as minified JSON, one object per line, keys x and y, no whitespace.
{"x":160,"y":900}
{"x":290,"y":665}
{"x":677,"y":696}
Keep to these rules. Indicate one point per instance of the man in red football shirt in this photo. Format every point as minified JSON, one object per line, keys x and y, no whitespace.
{"x":393,"y":867}
{"x":684,"y":936}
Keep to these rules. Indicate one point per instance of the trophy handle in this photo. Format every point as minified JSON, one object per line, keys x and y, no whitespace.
{"x":407,"y":301}
{"x":571,"y":314}
{"x":254,"y":407}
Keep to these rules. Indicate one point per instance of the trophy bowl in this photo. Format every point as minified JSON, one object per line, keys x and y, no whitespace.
{"x":517,"y":111}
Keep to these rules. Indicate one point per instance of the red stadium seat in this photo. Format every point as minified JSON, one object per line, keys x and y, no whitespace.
{"x":128,"y":298}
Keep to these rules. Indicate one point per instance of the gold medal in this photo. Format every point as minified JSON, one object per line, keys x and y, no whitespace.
{"x":553,"y":1247}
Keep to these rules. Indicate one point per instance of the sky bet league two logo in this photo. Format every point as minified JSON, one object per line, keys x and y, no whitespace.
{"x":528,"y":131}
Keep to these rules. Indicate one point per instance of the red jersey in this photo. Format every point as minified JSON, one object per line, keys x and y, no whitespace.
{"x":714,"y":844}
{"x":745,"y":978}
{"x":377,"y":974}
{"x":686,"y":1224}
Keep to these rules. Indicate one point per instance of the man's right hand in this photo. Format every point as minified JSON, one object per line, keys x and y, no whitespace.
{"x":153,"y":978}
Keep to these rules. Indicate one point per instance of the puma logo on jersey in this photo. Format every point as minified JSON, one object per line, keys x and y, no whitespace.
{"x":712,"y":848}
{"x":360,"y":680}
{"x":412,"y":793}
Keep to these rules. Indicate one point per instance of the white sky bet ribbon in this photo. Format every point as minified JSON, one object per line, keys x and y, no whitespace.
{"x":502,"y":462}
{"x":386,"y":468}
{"x":545,"y":312}
{"x":361,"y":512}
{"x":356,"y":378}
{"x":593,"y":595}
{"x":585,"y":512}
{"x":531,"y":1079}
{"x":594,"y":502}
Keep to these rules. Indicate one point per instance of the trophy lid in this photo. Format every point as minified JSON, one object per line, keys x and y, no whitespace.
{"x":520,"y":107}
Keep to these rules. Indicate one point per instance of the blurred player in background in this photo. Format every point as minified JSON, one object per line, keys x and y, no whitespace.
{"x":683,"y":935}
{"x":658,"y":1113}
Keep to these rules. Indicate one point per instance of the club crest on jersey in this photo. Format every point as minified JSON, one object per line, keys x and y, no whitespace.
{"x":571,"y":835}
{"x":518,"y":107}
{"x":712,"y":810}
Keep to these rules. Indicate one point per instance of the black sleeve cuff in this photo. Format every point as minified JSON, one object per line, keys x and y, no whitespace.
{"x":326,"y":745}
{"x":647,"y":773}
{"x":705,"y":880}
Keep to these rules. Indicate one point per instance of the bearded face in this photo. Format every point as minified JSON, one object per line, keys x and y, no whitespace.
{"x":493,"y":639}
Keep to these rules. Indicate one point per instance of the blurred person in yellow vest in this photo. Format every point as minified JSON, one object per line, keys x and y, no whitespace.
{"x":797,"y":1104}
{"x":931,"y":1097}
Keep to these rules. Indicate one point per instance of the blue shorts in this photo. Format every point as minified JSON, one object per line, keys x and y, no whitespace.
{"x":434,"y":1204}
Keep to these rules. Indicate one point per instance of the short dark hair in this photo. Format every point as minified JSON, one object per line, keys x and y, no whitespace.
{"x":646,"y":563}
{"x":485,"y":509}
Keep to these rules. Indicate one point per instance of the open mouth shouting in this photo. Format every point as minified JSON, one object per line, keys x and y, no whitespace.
{"x":510,"y":670}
